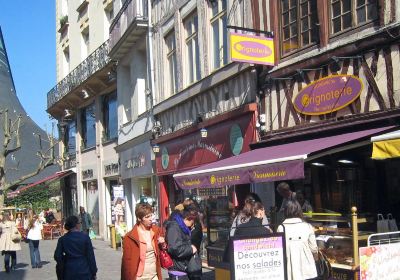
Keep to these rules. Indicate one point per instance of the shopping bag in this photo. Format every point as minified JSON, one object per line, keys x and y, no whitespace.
{"x":194,"y":265}
{"x":16,"y":236}
{"x":92,"y":234}
{"x":392,"y":222}
{"x":382,"y":224}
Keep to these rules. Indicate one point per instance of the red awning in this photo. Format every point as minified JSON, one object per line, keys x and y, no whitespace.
{"x":49,"y":179}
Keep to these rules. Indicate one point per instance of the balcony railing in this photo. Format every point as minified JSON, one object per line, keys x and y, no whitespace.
{"x":131,"y":11}
{"x":93,"y":63}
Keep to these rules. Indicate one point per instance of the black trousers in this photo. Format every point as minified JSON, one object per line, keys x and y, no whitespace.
{"x":7,"y":256}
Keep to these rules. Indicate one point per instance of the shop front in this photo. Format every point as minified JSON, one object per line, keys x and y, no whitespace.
{"x":91,"y":194}
{"x":137,"y":178}
{"x":111,"y":178}
{"x":334,"y":173}
{"x":227,"y":135}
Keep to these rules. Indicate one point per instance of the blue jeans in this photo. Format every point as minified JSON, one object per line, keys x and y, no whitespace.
{"x":7,"y":256}
{"x":34,"y":251}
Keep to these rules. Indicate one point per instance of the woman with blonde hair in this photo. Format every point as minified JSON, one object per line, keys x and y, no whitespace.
{"x":140,"y":258}
{"x":34,"y":229}
{"x":8,"y":246}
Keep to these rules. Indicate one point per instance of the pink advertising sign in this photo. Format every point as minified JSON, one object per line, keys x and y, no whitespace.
{"x":259,"y":258}
{"x":328,"y":94}
{"x":380,"y":262}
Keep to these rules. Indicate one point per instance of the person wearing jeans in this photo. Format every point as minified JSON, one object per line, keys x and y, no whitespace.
{"x":34,"y":236}
{"x":8,"y":247}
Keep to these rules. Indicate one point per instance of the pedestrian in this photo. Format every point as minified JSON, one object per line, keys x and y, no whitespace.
{"x":140,"y":258}
{"x":85,"y":219}
{"x":34,"y":235}
{"x":74,"y":253}
{"x":246,"y":213}
{"x":301,"y":247}
{"x":8,"y":247}
{"x":183,"y":253}
{"x":197,"y":229}
{"x":254,"y":226}
{"x":285,"y":192}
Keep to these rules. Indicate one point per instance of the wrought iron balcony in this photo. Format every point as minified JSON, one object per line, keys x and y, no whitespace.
{"x":93,"y":63}
{"x":128,"y":26}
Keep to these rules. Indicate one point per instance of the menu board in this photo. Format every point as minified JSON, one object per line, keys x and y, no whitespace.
{"x":259,"y":258}
{"x":380,"y":262}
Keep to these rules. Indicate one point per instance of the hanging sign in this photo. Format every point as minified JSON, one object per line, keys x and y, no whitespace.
{"x":328,"y":95}
{"x":252,"y":49}
{"x":259,"y":258}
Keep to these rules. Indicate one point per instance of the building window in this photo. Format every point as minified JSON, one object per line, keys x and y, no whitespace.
{"x":110,"y":117}
{"x":171,"y":58}
{"x":70,"y":138}
{"x":192,"y":48}
{"x":85,"y":45}
{"x":219,"y":34}
{"x":88,"y":121}
{"x":298,"y":24}
{"x":66,"y":63}
{"x":347,"y":14}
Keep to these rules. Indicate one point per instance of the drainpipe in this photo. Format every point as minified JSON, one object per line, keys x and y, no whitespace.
{"x":150,"y":57}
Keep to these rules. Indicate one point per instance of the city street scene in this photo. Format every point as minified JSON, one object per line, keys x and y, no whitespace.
{"x":200,"y":139}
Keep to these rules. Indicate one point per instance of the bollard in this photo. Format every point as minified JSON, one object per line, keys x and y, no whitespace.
{"x":113,"y":237}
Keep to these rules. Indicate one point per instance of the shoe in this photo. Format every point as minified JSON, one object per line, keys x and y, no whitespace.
{"x":34,"y":266}
{"x":39,"y":266}
{"x":13,"y":268}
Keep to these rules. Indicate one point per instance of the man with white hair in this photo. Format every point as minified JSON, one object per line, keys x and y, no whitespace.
{"x":283,"y":189}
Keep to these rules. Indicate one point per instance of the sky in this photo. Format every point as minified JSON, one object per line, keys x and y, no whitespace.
{"x":28,"y":28}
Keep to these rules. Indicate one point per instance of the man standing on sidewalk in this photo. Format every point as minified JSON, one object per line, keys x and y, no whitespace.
{"x":86,"y":221}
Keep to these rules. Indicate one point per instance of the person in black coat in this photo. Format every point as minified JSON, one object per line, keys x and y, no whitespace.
{"x":74,"y":253}
{"x":178,"y":237}
{"x":254,"y":226}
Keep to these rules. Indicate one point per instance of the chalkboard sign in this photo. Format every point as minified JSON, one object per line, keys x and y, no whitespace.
{"x":259,"y":258}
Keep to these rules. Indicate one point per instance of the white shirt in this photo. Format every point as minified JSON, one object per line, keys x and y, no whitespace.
{"x":35,"y":233}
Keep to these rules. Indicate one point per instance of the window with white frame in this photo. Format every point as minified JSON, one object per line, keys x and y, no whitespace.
{"x":88,"y":125}
{"x":171,"y":62}
{"x":219,"y":37}
{"x":192,"y":48}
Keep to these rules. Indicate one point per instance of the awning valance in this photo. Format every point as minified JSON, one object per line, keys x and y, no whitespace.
{"x":275,"y":163}
{"x":386,"y":145}
{"x":51,"y":178}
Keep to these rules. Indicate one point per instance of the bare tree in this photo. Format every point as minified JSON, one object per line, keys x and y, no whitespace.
{"x":12,"y":143}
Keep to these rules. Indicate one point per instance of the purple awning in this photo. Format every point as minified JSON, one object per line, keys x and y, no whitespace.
{"x":276,"y":163}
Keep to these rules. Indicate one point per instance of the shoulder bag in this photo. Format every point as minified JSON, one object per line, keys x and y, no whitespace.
{"x":194,"y":264}
{"x":324,"y":269}
{"x":16,"y":235}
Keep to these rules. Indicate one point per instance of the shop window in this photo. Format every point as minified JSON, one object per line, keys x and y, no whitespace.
{"x":346,"y":14}
{"x":192,"y":49}
{"x":219,"y":35}
{"x":92,"y":203}
{"x":110,"y":117}
{"x":88,"y":122}
{"x":171,"y":62}
{"x":298,"y":24}
{"x":70,"y":138}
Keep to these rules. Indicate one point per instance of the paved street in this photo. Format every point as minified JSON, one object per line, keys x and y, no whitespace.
{"x":108,"y":263}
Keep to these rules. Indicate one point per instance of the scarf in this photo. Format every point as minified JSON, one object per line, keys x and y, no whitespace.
{"x":184,"y":228}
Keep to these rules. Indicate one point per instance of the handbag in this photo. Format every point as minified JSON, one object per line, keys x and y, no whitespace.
{"x":194,"y":264}
{"x":165,"y":259}
{"x":324,"y":269}
{"x":16,"y":236}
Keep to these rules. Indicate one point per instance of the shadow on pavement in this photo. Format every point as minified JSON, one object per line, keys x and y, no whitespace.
{"x":15,"y":274}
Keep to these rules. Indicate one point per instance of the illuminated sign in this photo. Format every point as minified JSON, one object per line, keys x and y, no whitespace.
{"x":252,"y":49}
{"x":328,"y":95}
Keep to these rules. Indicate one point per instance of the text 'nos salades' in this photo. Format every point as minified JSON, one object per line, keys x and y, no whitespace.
{"x":328,"y":95}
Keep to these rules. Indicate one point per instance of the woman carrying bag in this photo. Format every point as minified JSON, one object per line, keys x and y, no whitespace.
{"x":140,"y":259}
{"x":34,"y":235}
{"x":301,"y":246}
{"x":9,"y":242}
